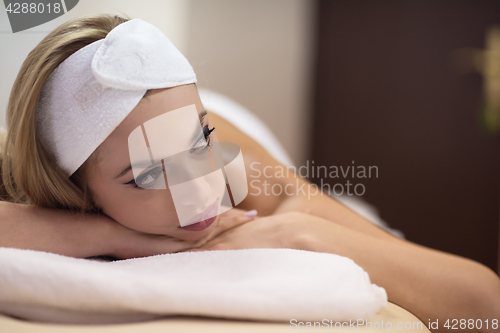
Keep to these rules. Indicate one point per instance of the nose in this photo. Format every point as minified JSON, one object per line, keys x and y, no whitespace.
{"x":196,"y":192}
{"x":191,"y":182}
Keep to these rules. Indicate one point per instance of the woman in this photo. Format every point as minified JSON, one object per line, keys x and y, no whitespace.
{"x":42,"y":207}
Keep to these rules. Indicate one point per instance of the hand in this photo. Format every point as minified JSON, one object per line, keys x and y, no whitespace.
{"x":288,"y":230}
{"x":127,"y":243}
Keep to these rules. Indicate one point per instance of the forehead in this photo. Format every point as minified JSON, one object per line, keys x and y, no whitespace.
{"x":114,"y":150}
{"x":155,"y":103}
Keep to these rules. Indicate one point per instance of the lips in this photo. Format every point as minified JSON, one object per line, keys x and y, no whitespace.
{"x":200,"y":225}
{"x":211,"y":211}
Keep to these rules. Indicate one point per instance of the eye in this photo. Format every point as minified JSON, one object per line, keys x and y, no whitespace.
{"x":203,"y":141}
{"x":200,"y":144}
{"x":150,"y":177}
{"x":147,"y":179}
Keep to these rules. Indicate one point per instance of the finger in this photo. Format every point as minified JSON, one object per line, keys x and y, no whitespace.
{"x":252,"y":212}
{"x":175,"y":245}
{"x":223,"y":225}
{"x":195,"y":250}
{"x":149,"y":246}
{"x":208,"y":247}
{"x":230,"y":221}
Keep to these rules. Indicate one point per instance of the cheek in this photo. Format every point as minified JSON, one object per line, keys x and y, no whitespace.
{"x":149,"y":211}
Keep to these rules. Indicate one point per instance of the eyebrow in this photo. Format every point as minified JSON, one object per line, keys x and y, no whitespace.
{"x":202,"y":116}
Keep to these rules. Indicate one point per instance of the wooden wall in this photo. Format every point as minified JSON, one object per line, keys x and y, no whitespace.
{"x":386,"y":94}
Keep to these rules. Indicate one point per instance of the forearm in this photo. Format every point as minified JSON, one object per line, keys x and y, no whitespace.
{"x":50,"y":230}
{"x":431,"y":284}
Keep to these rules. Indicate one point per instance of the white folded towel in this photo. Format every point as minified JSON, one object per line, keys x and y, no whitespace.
{"x":259,"y":284}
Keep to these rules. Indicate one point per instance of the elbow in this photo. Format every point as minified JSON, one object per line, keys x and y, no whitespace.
{"x":484,"y":294}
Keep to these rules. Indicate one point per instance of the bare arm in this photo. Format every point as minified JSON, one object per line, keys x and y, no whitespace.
{"x":50,"y":230}
{"x":74,"y":235}
{"x":433,"y":285}
{"x":71,"y":234}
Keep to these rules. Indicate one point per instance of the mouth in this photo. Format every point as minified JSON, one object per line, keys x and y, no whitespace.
{"x":211,"y":211}
{"x":200,"y":225}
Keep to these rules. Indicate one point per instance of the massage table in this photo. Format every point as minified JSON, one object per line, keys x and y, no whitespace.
{"x":390,"y":314}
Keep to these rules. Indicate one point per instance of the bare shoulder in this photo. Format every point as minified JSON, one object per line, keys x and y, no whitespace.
{"x":227,"y":132}
{"x":256,"y":159}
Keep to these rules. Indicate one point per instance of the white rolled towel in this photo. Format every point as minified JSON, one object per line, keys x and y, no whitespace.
{"x":256,"y":284}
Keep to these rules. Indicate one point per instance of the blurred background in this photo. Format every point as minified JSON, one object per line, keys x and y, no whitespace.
{"x":409,"y":86}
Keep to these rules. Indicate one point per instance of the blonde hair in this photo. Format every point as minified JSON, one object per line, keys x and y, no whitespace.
{"x":29,"y":173}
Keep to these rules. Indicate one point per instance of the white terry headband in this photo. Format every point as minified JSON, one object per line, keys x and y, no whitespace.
{"x":90,"y":93}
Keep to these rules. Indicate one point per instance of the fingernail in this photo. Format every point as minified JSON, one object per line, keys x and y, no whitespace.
{"x":251,"y":213}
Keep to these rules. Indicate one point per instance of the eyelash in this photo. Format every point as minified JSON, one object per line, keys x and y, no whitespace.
{"x":206,"y":134}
